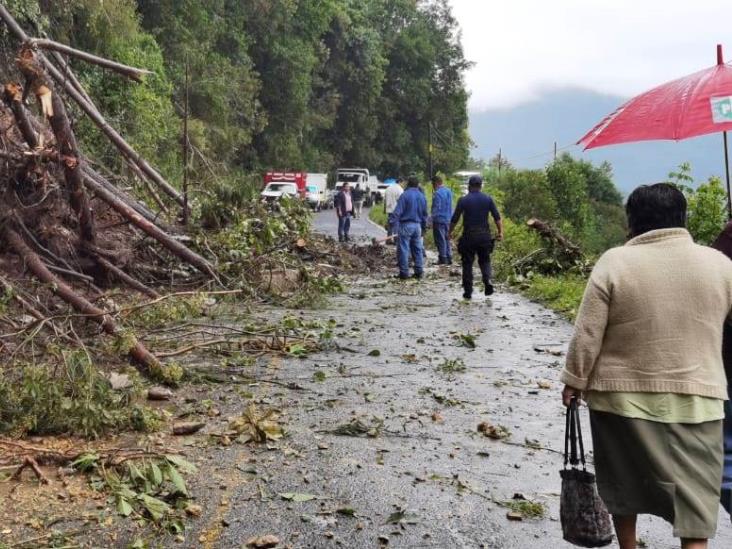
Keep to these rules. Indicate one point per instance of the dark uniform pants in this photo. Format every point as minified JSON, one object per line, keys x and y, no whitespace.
{"x":472,"y":245}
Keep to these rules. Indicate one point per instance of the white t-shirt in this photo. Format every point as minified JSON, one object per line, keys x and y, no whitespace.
{"x":391,"y":197}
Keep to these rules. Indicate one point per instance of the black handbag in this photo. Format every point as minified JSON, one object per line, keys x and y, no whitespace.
{"x":584,"y":517}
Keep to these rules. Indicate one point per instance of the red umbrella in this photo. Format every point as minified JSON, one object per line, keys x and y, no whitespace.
{"x":694,"y":105}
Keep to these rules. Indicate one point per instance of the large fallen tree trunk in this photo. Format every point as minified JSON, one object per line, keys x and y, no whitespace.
{"x":137,"y":350}
{"x":568,"y":249}
{"x":93,"y":113}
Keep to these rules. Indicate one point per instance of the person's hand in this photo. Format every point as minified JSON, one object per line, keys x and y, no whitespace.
{"x":499,"y":237}
{"x":569,"y":392}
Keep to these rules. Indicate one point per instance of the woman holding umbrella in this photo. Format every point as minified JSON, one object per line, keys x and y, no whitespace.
{"x":646,"y":355}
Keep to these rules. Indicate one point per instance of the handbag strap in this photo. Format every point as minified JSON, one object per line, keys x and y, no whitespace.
{"x":573,"y":436}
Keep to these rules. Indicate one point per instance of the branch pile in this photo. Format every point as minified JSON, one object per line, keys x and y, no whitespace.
{"x":62,"y":220}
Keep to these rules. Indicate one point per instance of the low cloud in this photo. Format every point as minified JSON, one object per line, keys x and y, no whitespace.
{"x":621,"y":47}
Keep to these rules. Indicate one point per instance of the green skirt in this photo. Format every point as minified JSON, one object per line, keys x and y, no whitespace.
{"x":671,"y":470}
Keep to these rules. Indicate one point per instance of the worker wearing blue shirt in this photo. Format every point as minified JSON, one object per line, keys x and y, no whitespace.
{"x":441,"y":215}
{"x":475,"y":208}
{"x":409,"y":216}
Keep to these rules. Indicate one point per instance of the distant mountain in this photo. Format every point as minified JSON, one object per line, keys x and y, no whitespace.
{"x":526,"y":136}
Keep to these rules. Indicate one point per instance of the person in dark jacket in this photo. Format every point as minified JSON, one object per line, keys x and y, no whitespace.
{"x":475,"y":208}
{"x":723,"y":243}
{"x":409,"y":217}
{"x":344,"y":210}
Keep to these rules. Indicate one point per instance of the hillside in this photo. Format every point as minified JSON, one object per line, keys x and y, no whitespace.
{"x":526,"y":134}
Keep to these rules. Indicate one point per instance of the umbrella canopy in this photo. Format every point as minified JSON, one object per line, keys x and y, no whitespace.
{"x":694,"y":105}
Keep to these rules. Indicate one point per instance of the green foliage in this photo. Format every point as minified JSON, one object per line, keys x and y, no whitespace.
{"x":527,"y":194}
{"x":272,"y":84}
{"x":560,"y":293}
{"x":70,"y":397}
{"x":151,"y":488}
{"x":706,"y":204}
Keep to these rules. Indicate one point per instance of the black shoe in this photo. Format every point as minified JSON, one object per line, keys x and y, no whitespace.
{"x":489,"y":289}
{"x":347,"y":238}
{"x":467,"y":295}
{"x":340,"y":239}
{"x":401,"y":277}
{"x":417,"y":276}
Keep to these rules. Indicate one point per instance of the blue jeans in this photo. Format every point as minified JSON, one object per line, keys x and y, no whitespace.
{"x":727,"y":472}
{"x":410,"y":244}
{"x":344,"y":225}
{"x":442,"y":242}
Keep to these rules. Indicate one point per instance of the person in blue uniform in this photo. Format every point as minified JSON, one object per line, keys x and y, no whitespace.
{"x":409,"y":218}
{"x":441,"y":215}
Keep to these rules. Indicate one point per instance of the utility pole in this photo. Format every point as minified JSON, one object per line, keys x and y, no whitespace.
{"x":185,"y":150}
{"x":555,"y":150}
{"x":500,"y":161}
{"x":429,"y":150}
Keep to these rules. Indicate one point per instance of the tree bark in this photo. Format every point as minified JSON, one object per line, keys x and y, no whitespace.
{"x":137,"y":352}
{"x":55,"y":112}
{"x":127,"y":279}
{"x":14,"y":97}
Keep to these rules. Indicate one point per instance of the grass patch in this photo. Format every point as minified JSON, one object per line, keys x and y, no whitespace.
{"x":562,"y":294}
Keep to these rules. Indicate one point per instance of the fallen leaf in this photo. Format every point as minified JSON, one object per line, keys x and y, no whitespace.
{"x":544,"y":384}
{"x":375,"y":352}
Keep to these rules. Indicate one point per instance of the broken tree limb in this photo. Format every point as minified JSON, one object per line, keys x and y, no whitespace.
{"x":124,"y":277}
{"x":132,"y":73}
{"x":175,"y":247}
{"x":55,"y":112}
{"x":140,"y":208}
{"x":567,"y":247}
{"x":137,"y":350}
{"x":91,"y":111}
{"x":14,"y":98}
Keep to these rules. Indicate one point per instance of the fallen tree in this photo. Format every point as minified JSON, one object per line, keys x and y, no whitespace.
{"x":72,"y":228}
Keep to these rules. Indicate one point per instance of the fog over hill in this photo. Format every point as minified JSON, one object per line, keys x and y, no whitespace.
{"x":526,"y":135}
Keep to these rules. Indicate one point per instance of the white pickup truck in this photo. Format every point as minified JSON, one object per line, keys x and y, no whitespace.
{"x":359,"y":176}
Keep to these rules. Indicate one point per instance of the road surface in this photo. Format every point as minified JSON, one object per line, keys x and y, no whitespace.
{"x":362,"y":229}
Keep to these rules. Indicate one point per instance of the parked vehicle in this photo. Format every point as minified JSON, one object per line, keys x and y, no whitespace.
{"x":277,"y":184}
{"x":275,"y":191}
{"x":383,"y":185}
{"x":359,"y":176}
{"x":315,"y":189}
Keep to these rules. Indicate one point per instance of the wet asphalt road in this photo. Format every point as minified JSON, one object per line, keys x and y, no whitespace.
{"x":362,"y":229}
{"x":427,"y":461}
{"x":424,"y":476}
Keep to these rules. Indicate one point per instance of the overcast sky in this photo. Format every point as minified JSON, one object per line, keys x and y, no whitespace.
{"x":623,"y":47}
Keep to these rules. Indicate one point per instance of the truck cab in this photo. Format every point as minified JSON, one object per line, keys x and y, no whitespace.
{"x":358,"y":176}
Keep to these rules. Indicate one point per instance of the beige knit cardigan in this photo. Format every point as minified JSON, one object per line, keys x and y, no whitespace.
{"x":651,"y":319}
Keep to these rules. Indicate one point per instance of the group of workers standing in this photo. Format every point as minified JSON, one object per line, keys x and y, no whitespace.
{"x":407,"y":220}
